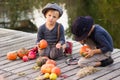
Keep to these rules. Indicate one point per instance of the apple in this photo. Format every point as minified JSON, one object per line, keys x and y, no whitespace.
{"x":25,"y":58}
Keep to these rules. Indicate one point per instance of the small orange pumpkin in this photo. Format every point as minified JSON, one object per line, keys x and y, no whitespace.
{"x":22,"y":52}
{"x":50,"y":61}
{"x":84,"y":49}
{"x":12,"y":55}
{"x":46,"y":68}
{"x":56,"y":70}
{"x":42,"y":44}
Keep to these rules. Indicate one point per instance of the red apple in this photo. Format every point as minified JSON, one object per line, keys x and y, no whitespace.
{"x":25,"y":58}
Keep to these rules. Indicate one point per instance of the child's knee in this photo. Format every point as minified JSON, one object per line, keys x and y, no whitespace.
{"x":82,"y":63}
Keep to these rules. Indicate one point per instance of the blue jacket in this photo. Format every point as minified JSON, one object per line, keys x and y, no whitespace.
{"x":102,"y":39}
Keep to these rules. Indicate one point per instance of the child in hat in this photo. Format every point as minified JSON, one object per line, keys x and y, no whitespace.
{"x":97,"y":38}
{"x":49,"y":32}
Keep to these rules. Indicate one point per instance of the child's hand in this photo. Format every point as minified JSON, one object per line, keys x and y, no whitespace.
{"x":58,"y":45}
{"x":89,"y":53}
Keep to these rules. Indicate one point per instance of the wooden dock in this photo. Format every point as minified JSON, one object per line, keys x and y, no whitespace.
{"x":11,"y":40}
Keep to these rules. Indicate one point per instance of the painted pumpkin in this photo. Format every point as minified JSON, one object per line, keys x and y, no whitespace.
{"x":42,"y":44}
{"x":22,"y":52}
{"x":46,"y":68}
{"x":50,"y":61}
{"x":84,"y":49}
{"x":41,"y":60}
{"x":12,"y":55}
{"x":56,"y":70}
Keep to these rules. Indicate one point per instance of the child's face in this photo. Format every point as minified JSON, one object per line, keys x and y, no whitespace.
{"x":52,"y":16}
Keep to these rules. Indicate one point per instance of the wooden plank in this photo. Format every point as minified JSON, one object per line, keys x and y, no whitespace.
{"x":112,"y":74}
{"x":1,"y":71}
{"x":4,"y":62}
{"x":116,"y":78}
{"x":21,"y":78}
{"x":26,"y":70}
{"x":2,"y":58}
{"x":11,"y":63}
{"x":16,"y":67}
{"x":26,"y":44}
{"x":8,"y":32}
{"x":31,"y":76}
{"x":18,"y":46}
{"x":16,"y":41}
{"x":19,"y":65}
{"x":28,"y":73}
{"x":12,"y":36}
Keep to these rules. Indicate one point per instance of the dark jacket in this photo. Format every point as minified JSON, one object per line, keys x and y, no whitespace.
{"x":102,"y":39}
{"x":51,"y":35}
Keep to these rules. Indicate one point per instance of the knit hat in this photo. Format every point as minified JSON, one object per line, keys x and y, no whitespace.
{"x":81,"y":27}
{"x":52,"y":6}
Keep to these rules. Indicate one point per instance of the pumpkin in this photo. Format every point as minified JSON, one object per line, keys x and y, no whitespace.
{"x":41,"y":60}
{"x":42,"y":44}
{"x":84,"y":49}
{"x":22,"y":52}
{"x":56,"y":70}
{"x":46,"y":68}
{"x":50,"y":61}
{"x":12,"y":55}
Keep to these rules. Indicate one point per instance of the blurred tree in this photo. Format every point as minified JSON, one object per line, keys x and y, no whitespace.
{"x":109,"y":18}
{"x":17,"y":10}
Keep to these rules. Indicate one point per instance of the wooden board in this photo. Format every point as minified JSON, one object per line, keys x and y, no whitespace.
{"x":12,"y":40}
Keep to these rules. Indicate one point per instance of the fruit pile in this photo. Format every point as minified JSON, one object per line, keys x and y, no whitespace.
{"x":23,"y":54}
{"x":49,"y":68}
{"x":26,"y":54}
